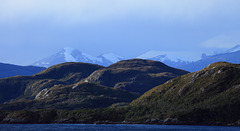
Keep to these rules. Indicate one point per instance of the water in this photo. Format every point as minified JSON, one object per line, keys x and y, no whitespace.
{"x":110,"y":127}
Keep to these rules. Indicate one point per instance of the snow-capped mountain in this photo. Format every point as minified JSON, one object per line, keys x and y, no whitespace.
{"x":181,"y":60}
{"x":110,"y":58}
{"x":174,"y":59}
{"x":69,"y":54}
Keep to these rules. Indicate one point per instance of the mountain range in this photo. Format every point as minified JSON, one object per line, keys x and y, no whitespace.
{"x":231,"y":55}
{"x":69,"y":54}
{"x":172,"y":59}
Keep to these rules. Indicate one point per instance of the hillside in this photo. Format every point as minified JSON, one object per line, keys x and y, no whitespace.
{"x":10,"y":70}
{"x":135,"y":75}
{"x":29,"y":86}
{"x":72,"y":97}
{"x":58,"y":87}
{"x":206,"y":97}
{"x":76,"y":85}
{"x":211,"y":95}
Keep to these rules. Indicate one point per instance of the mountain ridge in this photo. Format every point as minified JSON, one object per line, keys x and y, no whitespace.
{"x":174,"y":59}
{"x":231,"y":57}
{"x":69,"y":54}
{"x":10,"y":70}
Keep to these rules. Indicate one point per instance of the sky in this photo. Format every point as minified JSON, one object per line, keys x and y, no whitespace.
{"x":31,"y":30}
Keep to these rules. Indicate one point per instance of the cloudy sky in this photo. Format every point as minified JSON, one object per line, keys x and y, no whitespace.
{"x":31,"y":30}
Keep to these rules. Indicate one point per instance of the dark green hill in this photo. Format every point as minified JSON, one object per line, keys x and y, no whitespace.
{"x":72,"y":97}
{"x":207,"y":97}
{"x":58,"y":87}
{"x":68,"y":70}
{"x":211,"y":95}
{"x":30,"y":86}
{"x":135,"y":75}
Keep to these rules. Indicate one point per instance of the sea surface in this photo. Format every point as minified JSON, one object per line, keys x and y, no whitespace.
{"x":111,"y":127}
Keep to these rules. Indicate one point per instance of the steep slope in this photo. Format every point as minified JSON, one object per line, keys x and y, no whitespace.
{"x":72,"y":97}
{"x":69,"y":54}
{"x":211,"y":95}
{"x":9,"y":70}
{"x":134,"y":75}
{"x":29,"y":86}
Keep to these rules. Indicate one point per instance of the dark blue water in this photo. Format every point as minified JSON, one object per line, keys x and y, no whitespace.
{"x":110,"y":127}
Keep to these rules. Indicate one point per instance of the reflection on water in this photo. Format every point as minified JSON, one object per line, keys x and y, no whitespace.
{"x":109,"y":127}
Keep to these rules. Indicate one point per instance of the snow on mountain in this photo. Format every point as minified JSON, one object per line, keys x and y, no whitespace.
{"x":69,"y":54}
{"x":88,"y":57}
{"x":112,"y":57}
{"x":173,"y":59}
{"x":166,"y":56}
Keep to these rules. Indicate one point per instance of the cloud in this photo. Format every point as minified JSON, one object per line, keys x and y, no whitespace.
{"x":75,"y":11}
{"x":118,"y":26}
{"x":226,"y":41}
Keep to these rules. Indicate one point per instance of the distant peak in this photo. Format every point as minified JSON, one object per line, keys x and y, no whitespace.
{"x":112,"y":57}
{"x":68,"y":54}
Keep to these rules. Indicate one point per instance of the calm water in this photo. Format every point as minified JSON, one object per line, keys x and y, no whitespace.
{"x":109,"y":127}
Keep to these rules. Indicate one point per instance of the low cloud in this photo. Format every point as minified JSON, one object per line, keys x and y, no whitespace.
{"x":224,"y":41}
{"x":75,"y":11}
